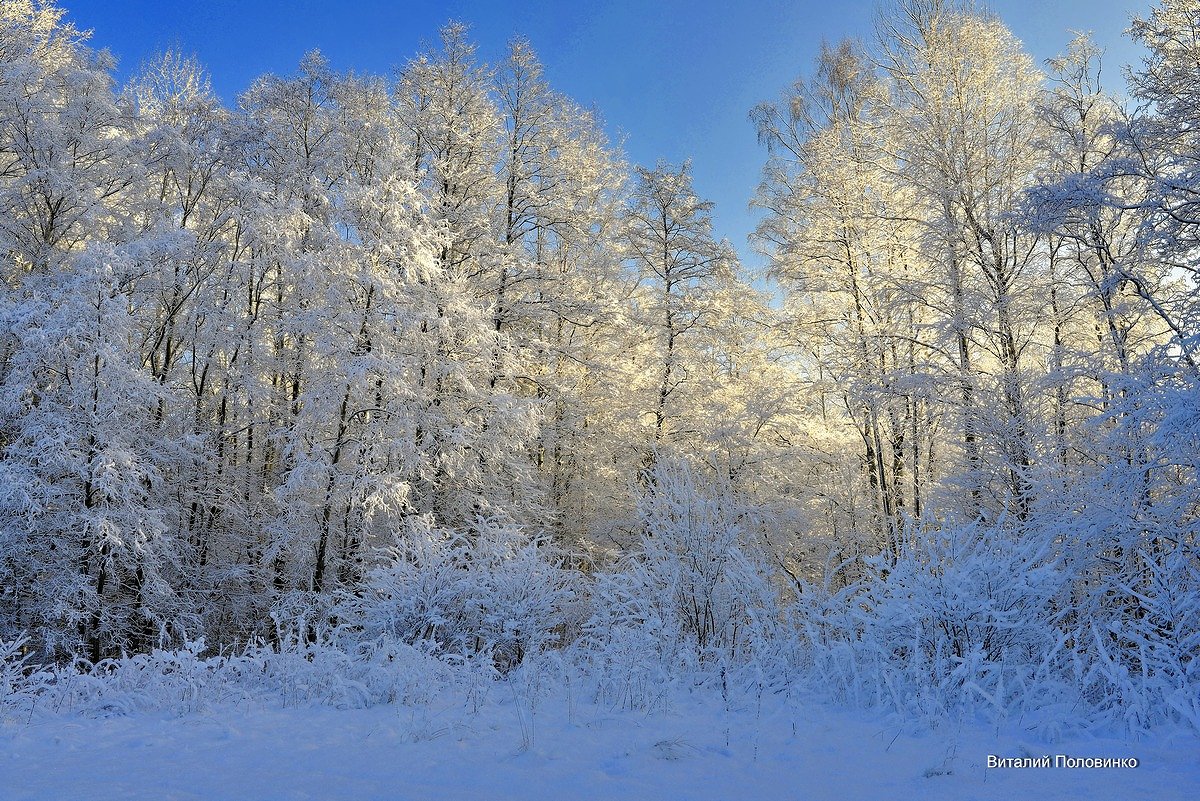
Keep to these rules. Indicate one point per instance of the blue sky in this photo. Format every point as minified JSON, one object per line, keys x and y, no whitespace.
{"x":672,"y":79}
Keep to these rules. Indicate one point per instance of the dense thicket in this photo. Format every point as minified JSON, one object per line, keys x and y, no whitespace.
{"x":421,"y":360}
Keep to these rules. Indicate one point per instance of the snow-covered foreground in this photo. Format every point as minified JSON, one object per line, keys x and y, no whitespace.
{"x":560,"y":748}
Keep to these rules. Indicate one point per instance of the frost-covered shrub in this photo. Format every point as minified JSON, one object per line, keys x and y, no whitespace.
{"x":493,"y":589}
{"x":180,"y":680}
{"x":1058,"y":625}
{"x":443,"y":609}
{"x":963,"y":619}
{"x":1130,"y":539}
{"x":688,"y":598}
{"x":634,"y":642}
{"x":1138,"y":657}
{"x":187,"y":680}
{"x":21,"y":681}
{"x":301,"y":618}
{"x":385,"y":671}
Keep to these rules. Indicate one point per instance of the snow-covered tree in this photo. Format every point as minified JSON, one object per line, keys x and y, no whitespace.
{"x":681,"y":266}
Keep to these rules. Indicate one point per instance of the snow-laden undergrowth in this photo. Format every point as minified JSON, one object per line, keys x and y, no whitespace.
{"x":974,"y":623}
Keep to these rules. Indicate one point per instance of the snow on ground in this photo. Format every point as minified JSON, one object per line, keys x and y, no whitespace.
{"x":575,"y":750}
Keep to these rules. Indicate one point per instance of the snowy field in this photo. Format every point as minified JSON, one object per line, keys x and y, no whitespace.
{"x":560,"y":748}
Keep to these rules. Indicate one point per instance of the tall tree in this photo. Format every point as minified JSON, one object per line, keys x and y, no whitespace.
{"x":670,"y":241}
{"x":851,"y":265}
{"x":962,"y":115}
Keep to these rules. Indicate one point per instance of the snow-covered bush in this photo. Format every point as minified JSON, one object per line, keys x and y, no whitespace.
{"x":1130,"y":539}
{"x":21,"y":681}
{"x":188,"y":680}
{"x":492,"y":589}
{"x":962,"y":620}
{"x":301,"y":618}
{"x":1138,"y":659}
{"x":690,"y":596}
{"x":634,"y":641}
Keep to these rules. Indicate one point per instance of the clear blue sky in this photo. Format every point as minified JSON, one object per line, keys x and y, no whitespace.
{"x":673,"y":79}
